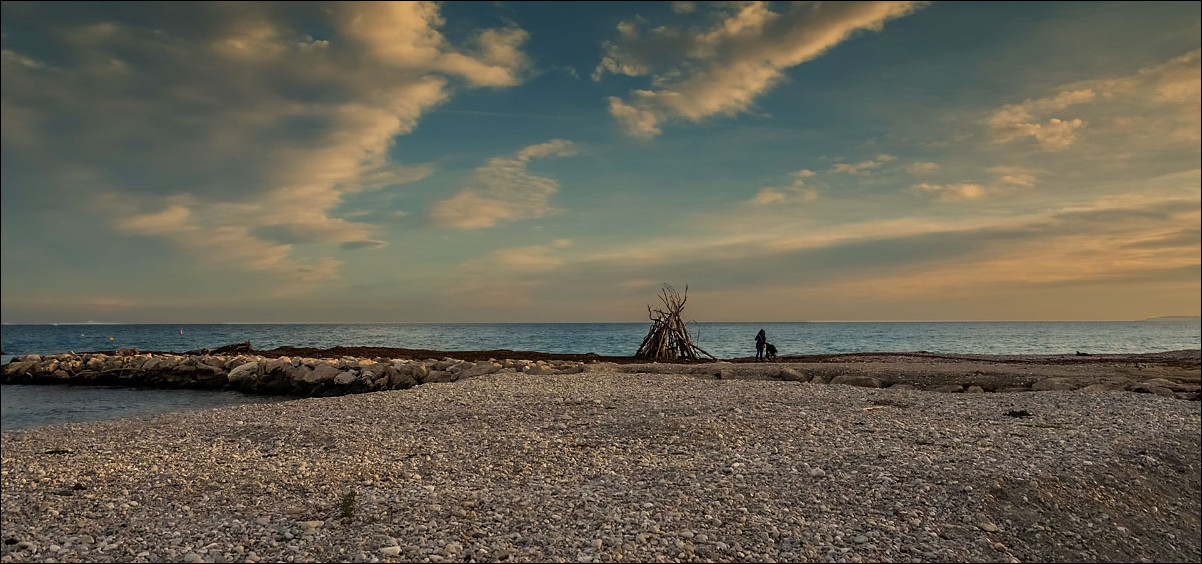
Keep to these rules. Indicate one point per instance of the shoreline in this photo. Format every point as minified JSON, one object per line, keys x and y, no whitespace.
{"x":617,"y":466}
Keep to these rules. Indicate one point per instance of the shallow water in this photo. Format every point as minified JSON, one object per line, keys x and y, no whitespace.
{"x":25,"y":406}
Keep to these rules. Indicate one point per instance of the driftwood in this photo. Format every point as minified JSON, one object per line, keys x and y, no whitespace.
{"x":668,"y":338}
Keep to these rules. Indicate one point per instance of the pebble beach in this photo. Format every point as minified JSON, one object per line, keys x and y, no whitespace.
{"x":617,"y":466}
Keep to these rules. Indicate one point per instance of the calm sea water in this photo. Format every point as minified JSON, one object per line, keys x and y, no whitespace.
{"x":725,"y":340}
{"x":22,"y":407}
{"x":25,"y":406}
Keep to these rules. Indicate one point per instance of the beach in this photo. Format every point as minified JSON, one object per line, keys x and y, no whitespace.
{"x":636,"y":462}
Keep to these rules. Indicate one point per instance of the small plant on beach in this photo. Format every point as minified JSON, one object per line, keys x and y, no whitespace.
{"x":346,"y":508}
{"x":1018,"y":413}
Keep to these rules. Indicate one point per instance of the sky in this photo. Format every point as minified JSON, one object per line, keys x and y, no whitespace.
{"x":556,"y":162}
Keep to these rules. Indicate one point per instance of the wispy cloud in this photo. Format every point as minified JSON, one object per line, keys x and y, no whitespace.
{"x":532,"y":257}
{"x":721,"y":69}
{"x":863,"y":167}
{"x":1157,"y":104}
{"x":954,"y":192}
{"x":794,"y":191}
{"x":1014,"y":176}
{"x":922,"y":168}
{"x":914,"y":256}
{"x":504,"y":190}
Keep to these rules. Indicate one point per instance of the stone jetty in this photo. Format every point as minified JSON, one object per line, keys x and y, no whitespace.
{"x":1170,"y":374}
{"x":261,"y":375}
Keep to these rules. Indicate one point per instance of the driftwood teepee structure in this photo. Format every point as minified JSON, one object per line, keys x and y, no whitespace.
{"x":668,"y":338}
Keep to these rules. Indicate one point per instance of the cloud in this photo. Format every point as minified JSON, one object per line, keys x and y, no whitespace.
{"x":956,"y":192}
{"x":1014,"y":176}
{"x":364,"y":244}
{"x":405,"y":36}
{"x":795,"y":191}
{"x":232,"y":245}
{"x":533,"y":257}
{"x":769,"y":196}
{"x":504,"y":190}
{"x":861,"y":167}
{"x":227,"y":129}
{"x":684,"y":7}
{"x":1156,"y":104}
{"x":1006,"y":180}
{"x":722,"y":68}
{"x":959,"y":257}
{"x":921,"y":168}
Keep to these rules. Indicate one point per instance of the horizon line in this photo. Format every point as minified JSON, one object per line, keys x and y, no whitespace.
{"x":86,"y":323}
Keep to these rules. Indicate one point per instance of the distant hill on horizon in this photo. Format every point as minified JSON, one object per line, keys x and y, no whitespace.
{"x":1174,"y":318}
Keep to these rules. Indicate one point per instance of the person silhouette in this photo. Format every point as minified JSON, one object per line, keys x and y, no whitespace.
{"x":760,"y":339}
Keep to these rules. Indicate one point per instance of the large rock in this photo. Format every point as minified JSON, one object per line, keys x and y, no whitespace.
{"x":323,"y":372}
{"x":23,"y":367}
{"x":398,"y":378}
{"x":153,"y":363}
{"x":346,"y":377}
{"x":480,"y":369}
{"x":438,"y":376}
{"x":903,"y":386}
{"x":793,"y":375}
{"x":1171,"y":385}
{"x":860,"y":381}
{"x":949,"y":389}
{"x":243,"y":372}
{"x":1054,"y":384}
{"x":1149,"y":389}
{"x":590,"y":367}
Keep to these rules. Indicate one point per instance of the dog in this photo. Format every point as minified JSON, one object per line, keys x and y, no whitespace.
{"x":771,"y":356}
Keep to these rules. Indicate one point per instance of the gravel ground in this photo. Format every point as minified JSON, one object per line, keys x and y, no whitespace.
{"x":617,"y":466}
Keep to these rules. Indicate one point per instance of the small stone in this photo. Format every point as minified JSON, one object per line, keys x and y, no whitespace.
{"x":390,"y":551}
{"x":192,"y":558}
{"x":860,"y":539}
{"x":817,"y":473}
{"x":988,"y":527}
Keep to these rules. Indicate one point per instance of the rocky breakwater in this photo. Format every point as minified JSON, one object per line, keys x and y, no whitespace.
{"x":261,"y":375}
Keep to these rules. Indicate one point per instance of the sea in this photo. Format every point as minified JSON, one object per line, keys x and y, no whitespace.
{"x":32,"y":406}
